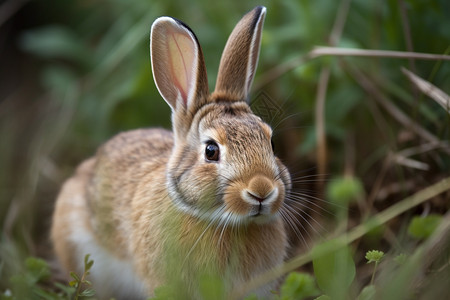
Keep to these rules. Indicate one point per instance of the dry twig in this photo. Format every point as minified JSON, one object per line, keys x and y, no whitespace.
{"x":429,"y":89}
{"x":336,"y":51}
{"x":322,"y":87}
{"x":393,"y":110}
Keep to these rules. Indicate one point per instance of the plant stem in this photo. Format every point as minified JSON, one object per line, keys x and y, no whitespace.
{"x":339,"y":51}
{"x":373,"y":274}
{"x":77,"y":292}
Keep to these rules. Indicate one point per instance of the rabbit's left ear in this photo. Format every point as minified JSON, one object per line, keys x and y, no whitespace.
{"x":177,"y":64}
{"x":240,"y":57}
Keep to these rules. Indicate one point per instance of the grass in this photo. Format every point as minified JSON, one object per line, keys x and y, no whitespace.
{"x":362,"y":87}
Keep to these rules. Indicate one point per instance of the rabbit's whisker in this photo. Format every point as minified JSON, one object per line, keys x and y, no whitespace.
{"x":292,"y":221}
{"x":301,"y":215}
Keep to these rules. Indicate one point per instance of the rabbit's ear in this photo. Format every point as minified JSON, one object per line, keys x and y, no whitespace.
{"x":177,"y":64}
{"x":240,"y":56}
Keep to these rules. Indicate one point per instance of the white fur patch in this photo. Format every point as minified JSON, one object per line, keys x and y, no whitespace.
{"x":111,"y":277}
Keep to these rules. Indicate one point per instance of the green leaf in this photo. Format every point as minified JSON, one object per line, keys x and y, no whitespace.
{"x":44,"y":294}
{"x":73,"y":283}
{"x":298,"y":286}
{"x":338,"y":110}
{"x":87,"y":293}
{"x":89,"y":265}
{"x":87,"y":282}
{"x":75,"y":276}
{"x":68,"y":290}
{"x":37,"y":268}
{"x":335,"y":270}
{"x":165,"y":292}
{"x":344,"y":190}
{"x":22,"y":286}
{"x":56,"y":42}
{"x":211,"y":287}
{"x":401,"y":258}
{"x":368,"y":293}
{"x":423,"y":227}
{"x":86,"y":259}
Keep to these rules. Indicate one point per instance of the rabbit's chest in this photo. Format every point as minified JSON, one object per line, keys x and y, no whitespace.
{"x":231,"y":254}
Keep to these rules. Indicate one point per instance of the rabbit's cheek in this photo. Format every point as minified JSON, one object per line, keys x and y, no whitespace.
{"x":199,"y":185}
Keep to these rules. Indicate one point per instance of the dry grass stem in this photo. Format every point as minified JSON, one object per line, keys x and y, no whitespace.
{"x":283,"y":68}
{"x":410,"y":163}
{"x":339,"y":23}
{"x":335,"y":51}
{"x":429,"y":89}
{"x":325,"y":73}
{"x":320,"y":126}
{"x":407,"y":31}
{"x":395,"y":112}
{"x":423,"y":148}
{"x":394,"y":188}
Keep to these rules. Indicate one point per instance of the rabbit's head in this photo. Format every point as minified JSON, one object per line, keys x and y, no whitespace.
{"x":222,"y":166}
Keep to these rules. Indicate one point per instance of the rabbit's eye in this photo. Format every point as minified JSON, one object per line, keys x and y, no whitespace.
{"x":212,"y":151}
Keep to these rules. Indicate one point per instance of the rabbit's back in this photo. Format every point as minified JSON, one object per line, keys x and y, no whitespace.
{"x":94,"y":212}
{"x":122,"y":164}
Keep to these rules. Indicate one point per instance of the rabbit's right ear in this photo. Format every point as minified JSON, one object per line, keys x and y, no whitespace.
{"x":240,"y":57}
{"x":177,"y":64}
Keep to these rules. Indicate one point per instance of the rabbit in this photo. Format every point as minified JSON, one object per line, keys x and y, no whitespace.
{"x":169,"y":208}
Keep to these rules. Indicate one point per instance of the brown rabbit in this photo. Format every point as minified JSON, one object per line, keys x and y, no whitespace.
{"x":155,"y":207}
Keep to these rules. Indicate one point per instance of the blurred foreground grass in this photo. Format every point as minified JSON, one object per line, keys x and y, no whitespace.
{"x":355,"y":131}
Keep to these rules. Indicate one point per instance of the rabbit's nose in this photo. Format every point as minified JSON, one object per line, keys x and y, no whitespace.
{"x":261,"y":189}
{"x":256,"y":197}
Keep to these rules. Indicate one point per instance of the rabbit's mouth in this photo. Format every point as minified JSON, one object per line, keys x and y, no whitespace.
{"x":262,"y":215}
{"x":260,"y":210}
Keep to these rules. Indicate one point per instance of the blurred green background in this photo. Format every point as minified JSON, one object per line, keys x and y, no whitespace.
{"x":73,"y":73}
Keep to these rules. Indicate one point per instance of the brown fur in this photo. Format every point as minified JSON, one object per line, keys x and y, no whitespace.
{"x":154,"y":210}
